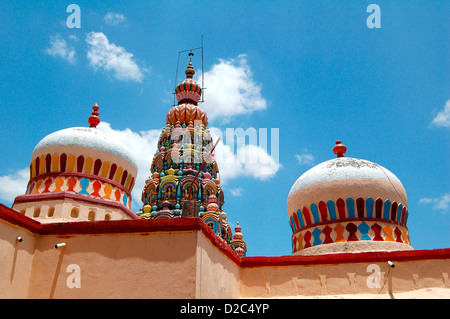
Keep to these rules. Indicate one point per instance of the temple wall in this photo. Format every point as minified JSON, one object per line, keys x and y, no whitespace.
{"x":370,"y":278}
{"x":183,"y":258}
{"x":16,"y":260}
{"x":124,"y":265}
{"x":217,"y":274}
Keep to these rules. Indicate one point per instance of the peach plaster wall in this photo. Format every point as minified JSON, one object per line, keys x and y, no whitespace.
{"x":137,"y":265}
{"x":217,"y":274}
{"x":124,"y":259}
{"x":342,"y":278}
{"x":16,"y":260}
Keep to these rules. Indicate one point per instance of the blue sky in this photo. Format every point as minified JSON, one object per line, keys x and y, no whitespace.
{"x":311,"y":69}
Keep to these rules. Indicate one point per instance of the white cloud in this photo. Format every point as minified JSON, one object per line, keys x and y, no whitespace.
{"x":60,"y":48}
{"x":248,"y":160}
{"x":305,"y":159}
{"x":441,"y":203}
{"x":114,"y":18}
{"x":443,"y":117}
{"x":143,"y":146}
{"x":112,"y":58}
{"x":236,"y":191}
{"x":14,"y":185}
{"x":231,"y":89}
{"x":73,"y":37}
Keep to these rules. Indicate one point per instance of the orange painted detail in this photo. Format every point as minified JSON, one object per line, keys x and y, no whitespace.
{"x":118,"y":175}
{"x":88,"y":165}
{"x":105,"y":169}
{"x":59,"y":182}
{"x":108,"y":190}
{"x":388,"y":231}
{"x":38,"y":184}
{"x":71,"y":163}
{"x":33,"y":169}
{"x":55,"y":162}
{"x":42,"y":164}
{"x":339,"y":230}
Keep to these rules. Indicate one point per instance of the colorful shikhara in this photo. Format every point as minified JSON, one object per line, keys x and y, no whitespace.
{"x":184,"y":178}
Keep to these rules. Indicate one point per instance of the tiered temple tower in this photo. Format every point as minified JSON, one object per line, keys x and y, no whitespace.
{"x":184,"y":178}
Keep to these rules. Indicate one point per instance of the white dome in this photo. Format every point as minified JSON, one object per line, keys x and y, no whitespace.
{"x":342,"y":168}
{"x":88,"y":137}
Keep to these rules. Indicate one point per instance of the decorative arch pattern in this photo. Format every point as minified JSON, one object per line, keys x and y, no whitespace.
{"x":53,"y":163}
{"x":346,"y":209}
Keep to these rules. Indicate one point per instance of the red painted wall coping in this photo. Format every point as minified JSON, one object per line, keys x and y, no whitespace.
{"x":118,"y":226}
{"x":346,"y":258}
{"x":196,"y":224}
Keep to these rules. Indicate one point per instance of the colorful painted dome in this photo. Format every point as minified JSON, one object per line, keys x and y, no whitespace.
{"x":348,"y":204}
{"x":188,"y":94}
{"x":82,"y":161}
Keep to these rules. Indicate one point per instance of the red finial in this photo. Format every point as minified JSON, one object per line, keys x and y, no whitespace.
{"x":339,"y":149}
{"x":93,"y":119}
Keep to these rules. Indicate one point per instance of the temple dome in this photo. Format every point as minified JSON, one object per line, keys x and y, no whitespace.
{"x":80,"y":165}
{"x":90,"y":151}
{"x":87,"y":137}
{"x":348,"y":177}
{"x":348,"y":191}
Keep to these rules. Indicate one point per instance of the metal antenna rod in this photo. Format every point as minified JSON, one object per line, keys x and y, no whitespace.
{"x":176,"y":78}
{"x":203,"y":76}
{"x":178,"y":64}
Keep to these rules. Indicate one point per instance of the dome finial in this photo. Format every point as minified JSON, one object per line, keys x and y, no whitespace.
{"x":94,"y":119}
{"x":190,"y":69}
{"x":339,"y":149}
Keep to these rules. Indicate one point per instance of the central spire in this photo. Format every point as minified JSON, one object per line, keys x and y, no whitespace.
{"x":188,"y":94}
{"x":184,"y":179}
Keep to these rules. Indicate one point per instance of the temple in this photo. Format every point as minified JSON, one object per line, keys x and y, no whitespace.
{"x":184,"y":174}
{"x":73,"y":234}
